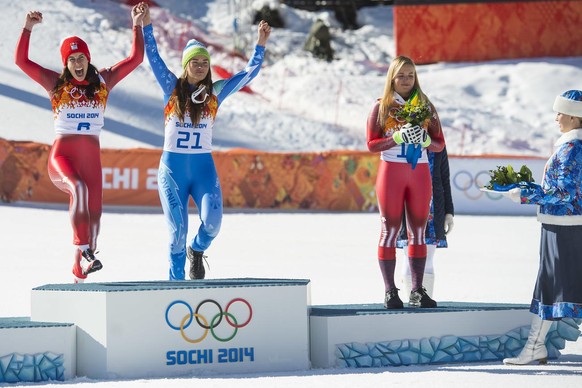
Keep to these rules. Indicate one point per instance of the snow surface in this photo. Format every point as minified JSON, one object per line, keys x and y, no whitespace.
{"x":488,"y":261}
{"x":300,"y":104}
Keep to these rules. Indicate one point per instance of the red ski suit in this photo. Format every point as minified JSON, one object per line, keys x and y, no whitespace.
{"x":400,"y":189}
{"x":74,"y":163}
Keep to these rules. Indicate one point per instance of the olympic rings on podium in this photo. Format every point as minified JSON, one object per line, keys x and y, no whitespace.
{"x":202,"y":321}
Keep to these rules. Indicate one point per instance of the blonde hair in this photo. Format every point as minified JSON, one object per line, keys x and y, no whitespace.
{"x":388,"y":98}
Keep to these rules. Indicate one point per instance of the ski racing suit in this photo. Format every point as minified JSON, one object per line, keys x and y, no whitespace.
{"x":186,"y":166}
{"x":74,"y":163}
{"x":401,"y":189}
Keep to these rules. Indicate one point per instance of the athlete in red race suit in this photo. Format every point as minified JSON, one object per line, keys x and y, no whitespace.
{"x":78,"y":97}
{"x":401,"y":187}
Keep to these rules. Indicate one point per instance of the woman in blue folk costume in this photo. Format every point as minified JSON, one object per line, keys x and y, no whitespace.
{"x":558,"y":290}
{"x":186,"y":166}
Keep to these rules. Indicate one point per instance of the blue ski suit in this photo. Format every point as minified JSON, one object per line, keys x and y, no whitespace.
{"x":186,"y":166}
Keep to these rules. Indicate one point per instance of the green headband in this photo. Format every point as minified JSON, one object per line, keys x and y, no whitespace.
{"x":191,"y":52}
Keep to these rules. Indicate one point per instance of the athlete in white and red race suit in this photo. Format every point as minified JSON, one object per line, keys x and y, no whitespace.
{"x":78,"y":97}
{"x":401,"y":187}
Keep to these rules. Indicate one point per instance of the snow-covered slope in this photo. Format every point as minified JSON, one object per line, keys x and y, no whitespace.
{"x":300,"y":103}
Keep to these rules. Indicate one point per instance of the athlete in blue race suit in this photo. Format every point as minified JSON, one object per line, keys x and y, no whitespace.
{"x":186,"y":166}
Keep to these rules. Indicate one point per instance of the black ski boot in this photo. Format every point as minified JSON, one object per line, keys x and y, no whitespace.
{"x":392,"y":300}
{"x":419,"y":298}
{"x":197,"y":270}
{"x":89,"y":263}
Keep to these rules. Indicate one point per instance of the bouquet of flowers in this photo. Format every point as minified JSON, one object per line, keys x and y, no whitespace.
{"x":506,"y":178}
{"x":414,"y":111}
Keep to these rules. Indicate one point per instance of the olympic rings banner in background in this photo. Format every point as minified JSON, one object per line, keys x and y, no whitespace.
{"x":329,"y":181}
{"x":469,"y":174}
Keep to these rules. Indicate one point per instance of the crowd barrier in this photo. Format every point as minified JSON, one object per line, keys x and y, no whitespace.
{"x":477,"y":30}
{"x":316,"y":181}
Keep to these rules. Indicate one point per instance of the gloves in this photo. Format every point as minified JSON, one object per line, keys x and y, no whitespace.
{"x":513,"y":194}
{"x":411,"y":134}
{"x":449,"y":223}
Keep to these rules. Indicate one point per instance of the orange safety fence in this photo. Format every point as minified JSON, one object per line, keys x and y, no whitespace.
{"x":339,"y":180}
{"x":481,"y":31}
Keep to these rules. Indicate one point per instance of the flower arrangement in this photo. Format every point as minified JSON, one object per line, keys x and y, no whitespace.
{"x":506,"y":178}
{"x":415,"y":111}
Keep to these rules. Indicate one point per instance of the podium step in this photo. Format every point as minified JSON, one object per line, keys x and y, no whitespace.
{"x":368,"y":335}
{"x":154,"y":329}
{"x":36,"y":351}
{"x":164,"y":329}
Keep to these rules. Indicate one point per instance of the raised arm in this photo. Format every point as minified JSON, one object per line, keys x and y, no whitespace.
{"x":45,"y":77}
{"x":122,"y":69}
{"x":164,"y":76}
{"x":225,"y":88}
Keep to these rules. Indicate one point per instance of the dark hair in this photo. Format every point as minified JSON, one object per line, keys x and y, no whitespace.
{"x":92,"y":77}
{"x":182,"y":101}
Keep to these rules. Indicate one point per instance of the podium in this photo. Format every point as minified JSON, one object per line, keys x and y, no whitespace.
{"x":163,"y":328}
{"x":130,"y":330}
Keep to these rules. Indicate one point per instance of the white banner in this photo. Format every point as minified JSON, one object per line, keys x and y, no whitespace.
{"x":469,"y":174}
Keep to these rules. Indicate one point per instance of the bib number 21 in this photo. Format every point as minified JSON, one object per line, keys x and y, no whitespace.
{"x":188,"y":140}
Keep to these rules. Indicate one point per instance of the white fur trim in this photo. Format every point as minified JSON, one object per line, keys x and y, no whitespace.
{"x":575,"y":134}
{"x":567,"y":106}
{"x":559,"y":220}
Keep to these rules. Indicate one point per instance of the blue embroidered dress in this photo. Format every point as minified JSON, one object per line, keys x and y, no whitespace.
{"x":558,"y":290}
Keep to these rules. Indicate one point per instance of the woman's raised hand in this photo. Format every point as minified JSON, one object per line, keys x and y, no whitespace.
{"x":32,"y":18}
{"x":139,"y":13}
{"x":264,"y":33}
